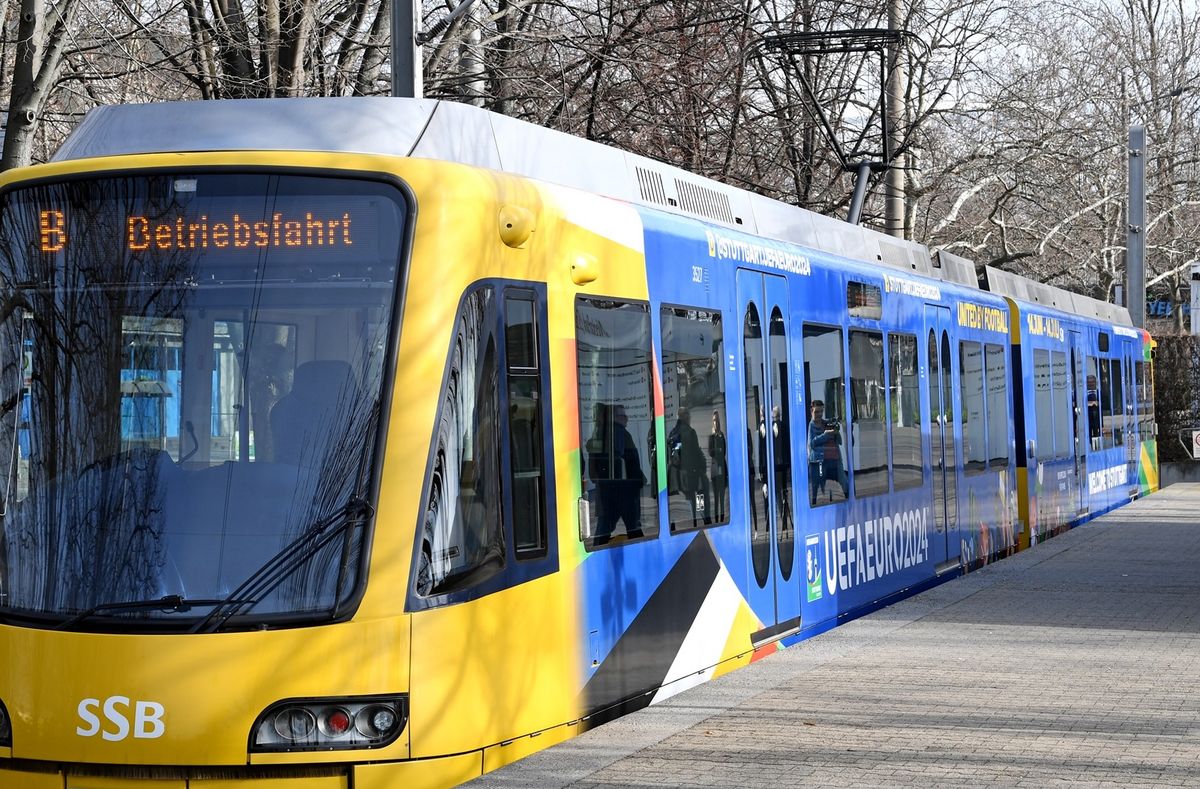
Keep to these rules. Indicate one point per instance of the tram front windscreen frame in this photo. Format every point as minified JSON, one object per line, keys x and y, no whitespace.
{"x":191,"y":372}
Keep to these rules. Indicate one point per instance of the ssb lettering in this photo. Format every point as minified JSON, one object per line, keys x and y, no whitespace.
{"x":147,"y":723}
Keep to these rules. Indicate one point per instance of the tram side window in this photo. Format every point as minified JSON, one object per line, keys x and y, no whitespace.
{"x":996,"y":373}
{"x":1106,"y":404}
{"x":1145,"y":398}
{"x":1093,"y":404}
{"x":868,"y":436}
{"x":1060,"y":397}
{"x":971,"y":411}
{"x":864,"y":301}
{"x":825,"y":396}
{"x":1043,"y":404}
{"x":1116,"y":375}
{"x":464,"y":534}
{"x":1138,"y":396}
{"x":904,"y":401}
{"x":694,"y":402}
{"x":616,"y":421}
{"x":527,"y":481}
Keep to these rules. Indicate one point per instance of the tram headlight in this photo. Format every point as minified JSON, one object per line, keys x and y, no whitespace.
{"x":5,"y":727}
{"x":329,"y":724}
{"x":294,"y":723}
{"x":378,"y":720}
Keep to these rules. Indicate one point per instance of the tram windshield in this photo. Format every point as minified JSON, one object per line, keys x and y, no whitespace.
{"x":191,"y":372}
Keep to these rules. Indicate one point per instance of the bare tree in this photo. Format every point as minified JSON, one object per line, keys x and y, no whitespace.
{"x":42,"y":37}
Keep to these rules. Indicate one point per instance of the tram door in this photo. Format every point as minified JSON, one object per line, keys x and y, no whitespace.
{"x":1079,"y":409}
{"x":943,"y":461}
{"x":1133,"y":446}
{"x":770,"y":468}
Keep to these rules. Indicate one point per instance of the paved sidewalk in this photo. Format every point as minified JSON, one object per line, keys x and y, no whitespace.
{"x":1076,"y":663}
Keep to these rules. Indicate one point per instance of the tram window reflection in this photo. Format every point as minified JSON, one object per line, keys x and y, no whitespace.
{"x":971,"y":412}
{"x":207,"y":407}
{"x":1043,"y":404}
{"x":1106,"y":404}
{"x":464,"y":537}
{"x":527,"y":475}
{"x":1145,"y":400}
{"x":904,"y":403}
{"x":868,"y":436}
{"x":1061,"y":398}
{"x":996,"y":372}
{"x":1092,"y":398}
{"x":694,"y":402}
{"x":1116,"y":375}
{"x":825,"y":397}
{"x":616,"y":421}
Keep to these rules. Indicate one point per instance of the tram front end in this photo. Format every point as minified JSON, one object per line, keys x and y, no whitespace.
{"x":196,"y":366}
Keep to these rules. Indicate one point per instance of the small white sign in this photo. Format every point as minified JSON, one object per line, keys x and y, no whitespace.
{"x":1196,"y":444}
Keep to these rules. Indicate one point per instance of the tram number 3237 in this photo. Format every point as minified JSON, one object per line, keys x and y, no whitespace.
{"x":144,"y":719}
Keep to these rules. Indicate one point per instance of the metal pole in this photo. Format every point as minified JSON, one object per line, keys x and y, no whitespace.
{"x":860,"y":192}
{"x":893,"y":116}
{"x":408,"y":79}
{"x":1135,"y":245}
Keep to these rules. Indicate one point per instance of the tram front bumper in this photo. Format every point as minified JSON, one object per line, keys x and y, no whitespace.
{"x":428,"y":773}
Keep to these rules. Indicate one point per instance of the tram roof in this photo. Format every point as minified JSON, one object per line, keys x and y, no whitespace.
{"x":1024,"y":289}
{"x":449,"y":131}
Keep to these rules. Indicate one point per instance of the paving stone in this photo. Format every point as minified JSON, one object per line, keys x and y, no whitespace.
{"x":1072,"y":664}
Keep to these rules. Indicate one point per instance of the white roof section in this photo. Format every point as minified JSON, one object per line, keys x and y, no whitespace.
{"x":1020,"y":288}
{"x":469,"y":135}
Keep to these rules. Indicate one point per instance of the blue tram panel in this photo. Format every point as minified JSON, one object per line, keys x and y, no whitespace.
{"x":1087,"y":422}
{"x":870,"y":529}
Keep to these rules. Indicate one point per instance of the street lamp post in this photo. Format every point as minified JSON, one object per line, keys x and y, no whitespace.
{"x":1135,"y":243}
{"x":407,"y":76}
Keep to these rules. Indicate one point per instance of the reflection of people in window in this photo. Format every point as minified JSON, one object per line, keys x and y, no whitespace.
{"x":824,"y":454}
{"x":783,"y":467}
{"x":718,"y":468}
{"x":762,"y":452}
{"x":1093,"y":411}
{"x":614,"y":465}
{"x":689,"y":464}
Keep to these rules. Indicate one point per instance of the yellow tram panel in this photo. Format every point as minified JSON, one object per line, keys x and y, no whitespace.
{"x":513,"y":687}
{"x":53,"y":673}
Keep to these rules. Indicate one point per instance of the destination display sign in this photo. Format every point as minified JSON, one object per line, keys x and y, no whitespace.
{"x":215,"y":217}
{"x":234,"y":231}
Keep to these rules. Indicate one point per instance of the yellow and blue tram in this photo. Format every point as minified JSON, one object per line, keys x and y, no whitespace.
{"x":382,"y":442}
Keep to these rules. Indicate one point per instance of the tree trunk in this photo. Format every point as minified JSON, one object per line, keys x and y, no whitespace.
{"x":376,"y":52}
{"x":36,"y":71}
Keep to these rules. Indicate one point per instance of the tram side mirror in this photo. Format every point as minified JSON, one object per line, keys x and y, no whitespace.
{"x":1030,"y":447}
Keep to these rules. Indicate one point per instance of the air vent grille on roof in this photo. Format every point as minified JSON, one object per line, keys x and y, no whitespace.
{"x":650,"y":184}
{"x":896,"y":255}
{"x":703,"y":201}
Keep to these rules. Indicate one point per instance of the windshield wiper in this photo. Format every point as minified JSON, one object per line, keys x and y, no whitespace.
{"x":283,"y":564}
{"x":171,"y":603}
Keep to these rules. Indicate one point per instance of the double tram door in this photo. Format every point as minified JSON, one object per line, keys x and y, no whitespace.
{"x":939,"y":385}
{"x":769,"y":471}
